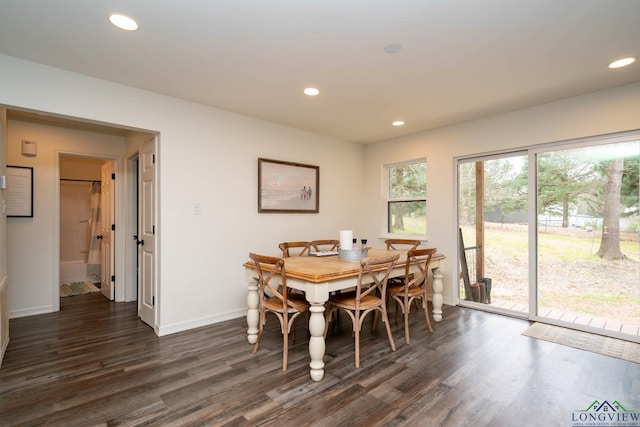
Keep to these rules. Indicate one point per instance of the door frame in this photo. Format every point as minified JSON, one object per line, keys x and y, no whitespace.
{"x":131,"y":227}
{"x":119,"y":218}
{"x":108,"y":170}
{"x":133,"y":213}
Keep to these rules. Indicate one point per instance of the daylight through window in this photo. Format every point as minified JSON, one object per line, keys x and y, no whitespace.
{"x":407,"y":199}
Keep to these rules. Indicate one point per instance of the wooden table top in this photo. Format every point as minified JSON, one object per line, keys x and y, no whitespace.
{"x":317,"y":269}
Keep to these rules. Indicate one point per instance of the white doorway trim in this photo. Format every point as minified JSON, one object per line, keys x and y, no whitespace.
{"x":130,"y":227}
{"x":119,"y":219}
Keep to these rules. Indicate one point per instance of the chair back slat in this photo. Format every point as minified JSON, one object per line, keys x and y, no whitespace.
{"x":268,"y":268}
{"x":286,"y":247}
{"x":325,"y":245}
{"x":375,"y":269}
{"x":420,"y":258}
{"x":393,"y":243}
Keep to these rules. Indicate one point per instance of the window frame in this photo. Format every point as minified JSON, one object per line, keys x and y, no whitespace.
{"x":388,"y":200}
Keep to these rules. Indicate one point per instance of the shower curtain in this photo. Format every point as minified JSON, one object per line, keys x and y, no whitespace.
{"x":93,"y":256}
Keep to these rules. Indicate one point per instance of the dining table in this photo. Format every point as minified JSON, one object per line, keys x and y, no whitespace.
{"x":318,"y":277}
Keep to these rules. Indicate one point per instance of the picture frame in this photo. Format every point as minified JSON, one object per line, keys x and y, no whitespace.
{"x":288,"y":187}
{"x":19,"y":191}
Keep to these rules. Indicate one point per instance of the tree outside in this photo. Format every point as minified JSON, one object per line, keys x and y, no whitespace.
{"x":407,"y":198}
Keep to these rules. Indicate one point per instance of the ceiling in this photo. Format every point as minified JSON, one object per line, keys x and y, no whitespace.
{"x":459,"y":59}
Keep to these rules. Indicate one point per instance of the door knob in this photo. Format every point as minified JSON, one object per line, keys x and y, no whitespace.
{"x":99,"y":237}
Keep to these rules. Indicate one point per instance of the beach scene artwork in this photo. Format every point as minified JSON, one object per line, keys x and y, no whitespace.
{"x":287,"y":187}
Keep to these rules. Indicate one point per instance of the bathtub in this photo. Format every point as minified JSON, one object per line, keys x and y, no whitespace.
{"x":73,"y":271}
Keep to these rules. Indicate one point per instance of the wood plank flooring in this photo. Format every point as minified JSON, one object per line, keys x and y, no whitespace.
{"x":95,"y":364}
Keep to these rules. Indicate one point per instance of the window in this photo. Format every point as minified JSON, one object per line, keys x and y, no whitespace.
{"x":407,"y":198}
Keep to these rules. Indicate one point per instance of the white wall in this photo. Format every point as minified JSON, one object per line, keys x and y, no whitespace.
{"x":593,"y":114}
{"x":207,"y":156}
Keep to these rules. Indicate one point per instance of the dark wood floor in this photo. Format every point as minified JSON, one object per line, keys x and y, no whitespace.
{"x":95,"y":363}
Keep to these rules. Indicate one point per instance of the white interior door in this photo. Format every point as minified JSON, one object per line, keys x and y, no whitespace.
{"x":107,"y":276}
{"x":147,"y":233}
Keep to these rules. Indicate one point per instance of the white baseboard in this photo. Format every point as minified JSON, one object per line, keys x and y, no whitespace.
{"x":162,"y":330}
{"x":14,"y":314}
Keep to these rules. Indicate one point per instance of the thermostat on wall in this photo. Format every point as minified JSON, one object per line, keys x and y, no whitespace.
{"x":29,"y":148}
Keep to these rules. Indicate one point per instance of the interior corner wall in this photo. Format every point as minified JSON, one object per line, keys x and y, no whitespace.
{"x":598,"y":113}
{"x":208,"y":157}
{"x":30,"y":241}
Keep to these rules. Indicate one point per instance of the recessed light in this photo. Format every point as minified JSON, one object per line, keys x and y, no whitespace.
{"x":398,"y":123}
{"x":123,"y":22}
{"x":311,"y":91}
{"x":622,"y":62}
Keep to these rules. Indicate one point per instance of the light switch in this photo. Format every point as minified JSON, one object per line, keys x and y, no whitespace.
{"x":196,"y":208}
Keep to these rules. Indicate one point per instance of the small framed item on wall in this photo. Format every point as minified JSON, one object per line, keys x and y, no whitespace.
{"x":286,"y":187}
{"x":19,"y":192}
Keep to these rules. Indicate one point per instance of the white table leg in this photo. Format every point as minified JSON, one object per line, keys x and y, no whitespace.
{"x":317,"y":295}
{"x":253,"y":316}
{"x":316,"y":342}
{"x":436,"y":298}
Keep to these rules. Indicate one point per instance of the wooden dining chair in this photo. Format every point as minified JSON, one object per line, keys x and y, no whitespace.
{"x":400,"y":244}
{"x":325,"y":245}
{"x":413,"y":287}
{"x":302,"y":248}
{"x":273,"y":297}
{"x":369,"y":296}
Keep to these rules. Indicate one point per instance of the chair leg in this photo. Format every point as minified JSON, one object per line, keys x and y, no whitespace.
{"x":327,"y":318}
{"x":260,"y":328}
{"x":285,"y":350}
{"x":255,"y":346}
{"x":385,"y":319}
{"x":407,"y":310}
{"x":357,"y":340}
{"x":426,"y":313}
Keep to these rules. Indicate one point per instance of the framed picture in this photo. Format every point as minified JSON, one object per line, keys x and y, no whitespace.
{"x":285,"y":187}
{"x":19,"y":192}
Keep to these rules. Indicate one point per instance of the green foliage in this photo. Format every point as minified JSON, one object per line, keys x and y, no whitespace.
{"x":633,"y":226}
{"x":408,"y":181}
{"x":505,"y":183}
{"x":630,"y":192}
{"x":505,"y":187}
{"x":564,"y":178}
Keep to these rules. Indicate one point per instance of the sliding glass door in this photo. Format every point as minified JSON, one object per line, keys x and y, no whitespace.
{"x":588,"y":253}
{"x":553,"y":233}
{"x":493,"y":232}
